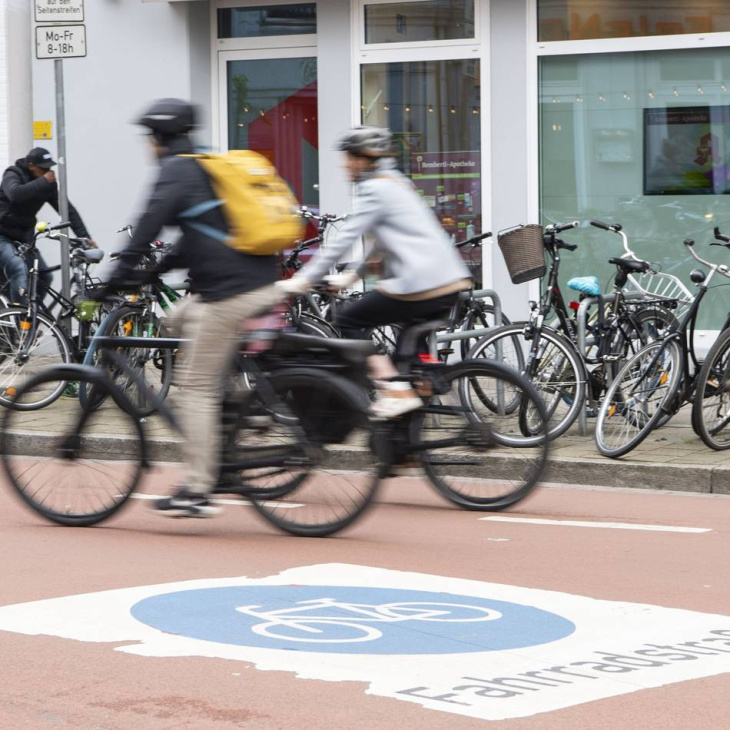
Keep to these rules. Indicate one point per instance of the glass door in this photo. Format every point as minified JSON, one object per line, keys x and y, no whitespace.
{"x":269,"y":105}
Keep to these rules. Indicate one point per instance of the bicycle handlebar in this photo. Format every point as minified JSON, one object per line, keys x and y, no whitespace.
{"x":721,"y":268}
{"x":553,"y":228}
{"x":474,"y":240}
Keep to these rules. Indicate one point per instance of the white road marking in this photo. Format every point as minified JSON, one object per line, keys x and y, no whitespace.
{"x":234,"y":502}
{"x":605,"y":525}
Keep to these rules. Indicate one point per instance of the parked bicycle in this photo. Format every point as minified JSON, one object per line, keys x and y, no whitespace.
{"x":549,"y":355}
{"x":663,"y":376}
{"x":32,"y":336}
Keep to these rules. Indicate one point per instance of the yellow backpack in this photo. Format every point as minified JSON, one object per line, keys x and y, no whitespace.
{"x":259,"y":207}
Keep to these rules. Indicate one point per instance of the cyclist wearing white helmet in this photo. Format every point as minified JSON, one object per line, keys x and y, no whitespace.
{"x":423,"y":272}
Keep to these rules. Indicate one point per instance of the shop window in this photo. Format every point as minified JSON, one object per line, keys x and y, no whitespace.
{"x":425,"y":20}
{"x":273,"y":20}
{"x":635,"y":140}
{"x":572,"y":20}
{"x":433,"y":109}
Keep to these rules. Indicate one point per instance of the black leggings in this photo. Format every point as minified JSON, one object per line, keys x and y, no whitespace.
{"x":375,"y":309}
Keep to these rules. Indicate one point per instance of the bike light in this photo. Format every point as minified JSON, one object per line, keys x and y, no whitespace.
{"x":697,"y":276}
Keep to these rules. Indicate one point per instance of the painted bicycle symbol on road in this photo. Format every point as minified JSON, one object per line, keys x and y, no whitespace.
{"x":326,"y":620}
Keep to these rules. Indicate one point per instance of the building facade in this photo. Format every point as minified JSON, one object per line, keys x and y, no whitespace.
{"x":504,"y":111}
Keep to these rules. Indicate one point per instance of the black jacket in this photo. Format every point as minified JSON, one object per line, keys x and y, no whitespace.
{"x":216,"y":270}
{"x":22,"y":196}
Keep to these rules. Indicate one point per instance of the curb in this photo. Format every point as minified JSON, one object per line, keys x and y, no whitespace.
{"x":561,"y":470}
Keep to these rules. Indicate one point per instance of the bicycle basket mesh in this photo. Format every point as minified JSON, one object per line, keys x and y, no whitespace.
{"x":524,"y":253}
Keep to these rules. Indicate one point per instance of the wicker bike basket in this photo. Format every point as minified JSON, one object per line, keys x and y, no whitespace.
{"x":524,"y":252}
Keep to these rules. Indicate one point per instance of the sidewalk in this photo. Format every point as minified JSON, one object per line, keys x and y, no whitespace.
{"x":672,"y":458}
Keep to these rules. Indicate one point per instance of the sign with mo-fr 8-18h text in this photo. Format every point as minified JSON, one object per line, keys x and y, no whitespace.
{"x":59,"y":11}
{"x":60,"y":41}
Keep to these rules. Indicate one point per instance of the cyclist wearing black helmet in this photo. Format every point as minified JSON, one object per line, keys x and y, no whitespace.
{"x":228,"y":286}
{"x":423,"y":272}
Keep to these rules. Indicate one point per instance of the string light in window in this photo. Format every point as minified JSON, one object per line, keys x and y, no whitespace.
{"x":601,"y":97}
{"x":627,"y":96}
{"x":700,"y":90}
{"x":475,"y":111}
{"x":408,"y":107}
{"x":723,"y":87}
{"x":453,"y":110}
{"x":675,"y":92}
{"x":651,"y":94}
{"x":430,"y":108}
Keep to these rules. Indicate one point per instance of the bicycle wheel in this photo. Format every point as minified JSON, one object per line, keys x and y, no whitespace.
{"x":318,"y":487}
{"x":635,"y":400}
{"x":154,"y":366}
{"x":385,"y":338}
{"x":474,"y":455}
{"x":24,"y":352}
{"x":711,"y":405}
{"x":557,"y":374}
{"x":481,"y":318}
{"x":74,"y":466}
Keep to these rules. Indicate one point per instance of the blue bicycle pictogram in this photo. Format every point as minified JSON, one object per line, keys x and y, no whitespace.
{"x":350,"y":619}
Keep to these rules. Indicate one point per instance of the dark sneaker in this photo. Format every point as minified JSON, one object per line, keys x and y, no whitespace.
{"x":186,"y":504}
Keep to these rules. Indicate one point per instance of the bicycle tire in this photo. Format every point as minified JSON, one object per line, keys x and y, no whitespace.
{"x":711,"y":404}
{"x":482,"y":319}
{"x":50,"y":347}
{"x":558,"y":374}
{"x":479,"y":459}
{"x":81,"y":466}
{"x":328,"y":412}
{"x":636,"y":399}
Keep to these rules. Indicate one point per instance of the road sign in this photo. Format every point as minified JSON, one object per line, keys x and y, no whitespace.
{"x":60,"y":41}
{"x":59,"y":11}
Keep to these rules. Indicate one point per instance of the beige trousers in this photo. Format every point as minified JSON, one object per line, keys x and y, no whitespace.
{"x":204,"y":363}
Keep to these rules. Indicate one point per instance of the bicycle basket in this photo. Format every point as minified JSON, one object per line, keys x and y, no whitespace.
{"x":524,"y":252}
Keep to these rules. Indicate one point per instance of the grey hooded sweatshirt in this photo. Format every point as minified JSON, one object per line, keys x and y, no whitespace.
{"x":417,"y":254}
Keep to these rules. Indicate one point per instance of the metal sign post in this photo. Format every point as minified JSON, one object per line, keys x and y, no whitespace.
{"x":62,"y":177}
{"x":60,"y":36}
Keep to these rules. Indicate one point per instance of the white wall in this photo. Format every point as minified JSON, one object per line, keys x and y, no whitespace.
{"x":136,"y":53}
{"x":510,"y":148}
{"x":15,"y":80}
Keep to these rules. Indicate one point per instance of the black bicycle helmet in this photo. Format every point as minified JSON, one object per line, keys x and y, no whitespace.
{"x":169,"y":117}
{"x":367,"y":142}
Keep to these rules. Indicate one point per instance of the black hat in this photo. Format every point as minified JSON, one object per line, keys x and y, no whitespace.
{"x":41,"y":158}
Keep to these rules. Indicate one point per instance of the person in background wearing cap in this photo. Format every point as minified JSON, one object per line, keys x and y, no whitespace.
{"x":26,"y":187}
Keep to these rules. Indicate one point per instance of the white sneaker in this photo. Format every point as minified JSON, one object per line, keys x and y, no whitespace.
{"x":385,"y":407}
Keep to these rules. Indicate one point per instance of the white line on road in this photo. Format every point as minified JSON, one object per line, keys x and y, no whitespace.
{"x":608,"y":525}
{"x":234,"y":502}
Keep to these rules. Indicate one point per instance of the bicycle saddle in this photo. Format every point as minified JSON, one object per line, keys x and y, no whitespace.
{"x":638,"y":266}
{"x":586,"y":285}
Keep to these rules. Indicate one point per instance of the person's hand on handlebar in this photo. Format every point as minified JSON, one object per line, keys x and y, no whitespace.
{"x":335,"y":282}
{"x":294,"y":286}
{"x":50,"y":176}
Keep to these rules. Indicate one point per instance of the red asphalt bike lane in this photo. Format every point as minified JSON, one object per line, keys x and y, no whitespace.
{"x":63,"y":683}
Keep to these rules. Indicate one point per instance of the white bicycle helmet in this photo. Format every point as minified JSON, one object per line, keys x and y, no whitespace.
{"x":373,"y":142}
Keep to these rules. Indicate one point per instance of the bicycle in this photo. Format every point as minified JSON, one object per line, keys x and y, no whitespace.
{"x":549,"y":356}
{"x":282,"y":440}
{"x":136,"y":316}
{"x":664,"y":375}
{"x":31,"y":336}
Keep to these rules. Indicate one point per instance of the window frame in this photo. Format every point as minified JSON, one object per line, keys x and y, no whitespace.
{"x":304,"y":40}
{"x":359,"y":23}
{"x":537,"y":49}
{"x":437,"y":51}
